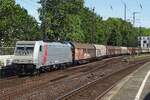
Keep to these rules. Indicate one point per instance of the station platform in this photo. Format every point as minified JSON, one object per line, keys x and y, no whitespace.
{"x":136,"y":86}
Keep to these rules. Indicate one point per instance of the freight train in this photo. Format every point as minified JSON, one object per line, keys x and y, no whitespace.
{"x":37,"y":56}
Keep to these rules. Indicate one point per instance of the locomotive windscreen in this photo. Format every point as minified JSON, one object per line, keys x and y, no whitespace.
{"x":24,"y":50}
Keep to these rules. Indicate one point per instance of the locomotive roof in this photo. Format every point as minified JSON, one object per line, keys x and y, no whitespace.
{"x":57,"y":44}
{"x":25,"y":42}
{"x":97,"y":45}
{"x":48,"y":43}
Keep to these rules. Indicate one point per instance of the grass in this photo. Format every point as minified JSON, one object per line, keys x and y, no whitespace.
{"x":137,"y":57}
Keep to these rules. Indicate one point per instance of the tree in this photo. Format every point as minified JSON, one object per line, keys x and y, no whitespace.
{"x":114,"y":34}
{"x":61,"y":18}
{"x":16,"y":24}
{"x":71,"y":20}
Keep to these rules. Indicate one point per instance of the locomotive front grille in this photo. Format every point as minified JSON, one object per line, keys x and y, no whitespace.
{"x":23,"y":61}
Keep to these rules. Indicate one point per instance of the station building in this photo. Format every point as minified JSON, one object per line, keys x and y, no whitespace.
{"x":144,"y":41}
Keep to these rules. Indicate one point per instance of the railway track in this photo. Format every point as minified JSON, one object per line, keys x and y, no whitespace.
{"x":9,"y":92}
{"x":12,"y":81}
{"x":60,"y":82}
{"x":52,"y":91}
{"x":91,"y":90}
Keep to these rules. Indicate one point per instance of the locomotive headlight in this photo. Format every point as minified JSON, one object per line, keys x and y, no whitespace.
{"x":30,"y":61}
{"x":15,"y":61}
{"x":1,"y":63}
{"x":8,"y":61}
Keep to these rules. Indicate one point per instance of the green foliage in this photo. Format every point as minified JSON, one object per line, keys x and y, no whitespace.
{"x":144,"y":31}
{"x":66,"y":20}
{"x":61,"y":19}
{"x":16,"y":24}
{"x":121,"y":33}
{"x":70,"y":20}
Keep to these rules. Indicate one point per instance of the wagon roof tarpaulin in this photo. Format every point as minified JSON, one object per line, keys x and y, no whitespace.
{"x":81,"y":45}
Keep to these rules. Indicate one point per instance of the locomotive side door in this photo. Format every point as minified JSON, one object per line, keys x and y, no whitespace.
{"x":40,"y":55}
{"x":38,"y":52}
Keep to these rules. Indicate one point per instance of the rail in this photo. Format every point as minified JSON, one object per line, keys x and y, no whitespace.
{"x":76,"y":91}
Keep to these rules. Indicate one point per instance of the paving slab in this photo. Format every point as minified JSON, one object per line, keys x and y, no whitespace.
{"x":131,"y":86}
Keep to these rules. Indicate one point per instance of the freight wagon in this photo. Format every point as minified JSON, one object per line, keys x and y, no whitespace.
{"x":100,"y":51}
{"x":124,"y":50}
{"x":83,"y":53}
{"x":145,"y":50}
{"x":113,"y":51}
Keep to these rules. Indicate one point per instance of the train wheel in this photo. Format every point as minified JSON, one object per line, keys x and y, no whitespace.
{"x":54,"y":67}
{"x":49,"y":68}
{"x":38,"y":71}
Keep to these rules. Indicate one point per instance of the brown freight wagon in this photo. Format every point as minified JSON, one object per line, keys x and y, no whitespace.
{"x":138,"y":50}
{"x":131,"y":50}
{"x":117,"y":50}
{"x":113,"y":51}
{"x":83,"y":52}
{"x":145,"y":50}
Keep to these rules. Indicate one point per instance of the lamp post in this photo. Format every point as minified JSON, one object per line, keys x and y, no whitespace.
{"x":125,"y":10}
{"x":134,"y":17}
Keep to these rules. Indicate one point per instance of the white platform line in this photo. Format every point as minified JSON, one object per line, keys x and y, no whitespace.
{"x":142,"y":87}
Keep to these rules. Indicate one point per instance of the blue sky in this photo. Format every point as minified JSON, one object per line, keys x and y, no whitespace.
{"x":105,"y":8}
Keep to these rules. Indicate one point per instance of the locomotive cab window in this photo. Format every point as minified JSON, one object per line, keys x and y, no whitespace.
{"x":40,"y":48}
{"x":24,"y":50}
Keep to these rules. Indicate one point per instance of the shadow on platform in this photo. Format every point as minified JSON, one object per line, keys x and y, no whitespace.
{"x":147,"y":97}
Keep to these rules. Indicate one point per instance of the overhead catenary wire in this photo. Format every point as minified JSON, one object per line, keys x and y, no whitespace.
{"x":134,"y":13}
{"x":138,"y":12}
{"x":126,"y":8}
{"x":139,"y":4}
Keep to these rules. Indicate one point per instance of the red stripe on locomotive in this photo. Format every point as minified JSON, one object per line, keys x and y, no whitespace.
{"x":45,"y":57}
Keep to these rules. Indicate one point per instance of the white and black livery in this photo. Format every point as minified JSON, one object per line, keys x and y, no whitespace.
{"x":39,"y":55}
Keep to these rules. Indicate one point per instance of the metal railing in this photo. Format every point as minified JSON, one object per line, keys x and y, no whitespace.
{"x":7,"y":50}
